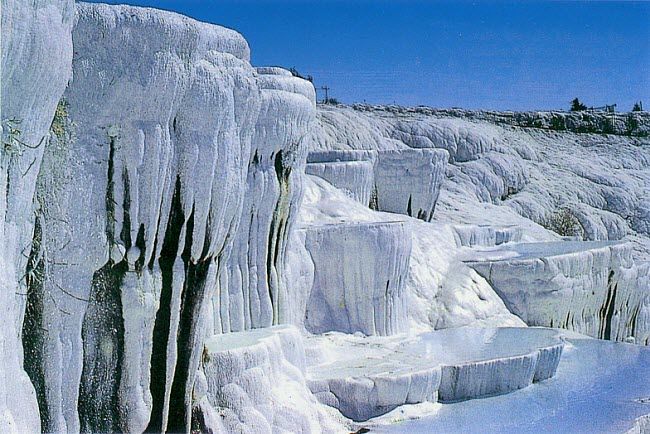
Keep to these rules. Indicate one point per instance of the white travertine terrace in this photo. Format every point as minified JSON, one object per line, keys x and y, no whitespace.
{"x":188,"y":242}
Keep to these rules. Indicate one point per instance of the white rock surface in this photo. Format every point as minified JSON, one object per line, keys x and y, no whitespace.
{"x":252,"y":288}
{"x":499,"y":173}
{"x":486,"y":235}
{"x":363,"y":289}
{"x":366,"y":377}
{"x":142,"y":196}
{"x":36,"y":57}
{"x":355,"y":178}
{"x":408,"y":181}
{"x":598,"y":387}
{"x":593,"y":288}
{"x":255,"y":382}
{"x":441,"y":291}
{"x":404,"y":181}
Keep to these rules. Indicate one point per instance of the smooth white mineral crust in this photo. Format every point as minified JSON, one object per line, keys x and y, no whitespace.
{"x":597,"y":388}
{"x":355,"y":178}
{"x":500,"y":174}
{"x":441,"y":291}
{"x":486,"y":235}
{"x":367,"y":377}
{"x":255,"y":382}
{"x":363,"y":289}
{"x":593,"y":288}
{"x":408,"y":181}
{"x":404,"y":181}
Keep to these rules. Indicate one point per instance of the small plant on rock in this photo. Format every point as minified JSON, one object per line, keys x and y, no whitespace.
{"x":60,"y":122}
{"x":563,"y":222}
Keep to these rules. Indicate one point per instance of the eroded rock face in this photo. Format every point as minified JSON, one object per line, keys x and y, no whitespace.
{"x":360,"y":271}
{"x":169,"y":143}
{"x":253,"y":290}
{"x":36,"y":65}
{"x":408,"y":181}
{"x":256,"y":380}
{"x":592,"y":288}
{"x":403,"y":181}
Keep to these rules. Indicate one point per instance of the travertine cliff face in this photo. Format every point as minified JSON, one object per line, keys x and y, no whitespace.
{"x":36,"y":65}
{"x":156,"y":222}
{"x":252,"y":286}
{"x":168,"y":180}
{"x":592,"y":288}
{"x":518,"y":173}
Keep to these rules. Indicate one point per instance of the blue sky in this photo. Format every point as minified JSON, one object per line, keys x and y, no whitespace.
{"x":489,"y":54}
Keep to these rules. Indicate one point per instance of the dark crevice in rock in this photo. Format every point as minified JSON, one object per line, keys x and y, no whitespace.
{"x":189,"y":332}
{"x":110,"y":194}
{"x":374,"y":199}
{"x":409,"y":209}
{"x":186,"y":338}
{"x":102,"y":330}
{"x":278,"y":227}
{"x":125,"y":234}
{"x":140,"y":244}
{"x":633,"y":318}
{"x":34,"y":333}
{"x":161,"y":331}
{"x":102,"y":334}
{"x":607,"y":310}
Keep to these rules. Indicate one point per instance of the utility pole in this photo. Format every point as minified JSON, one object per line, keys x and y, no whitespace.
{"x":326,"y":89}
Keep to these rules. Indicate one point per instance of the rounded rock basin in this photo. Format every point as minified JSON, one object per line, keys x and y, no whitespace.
{"x":365,"y":377}
{"x":525,"y":251}
{"x":363,"y":356}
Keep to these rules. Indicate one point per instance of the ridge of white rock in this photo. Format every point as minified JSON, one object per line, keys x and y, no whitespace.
{"x":355,"y":178}
{"x":512,"y":175}
{"x":486,"y":235}
{"x":440,"y":291}
{"x":593,"y":288}
{"x":252,"y":288}
{"x":404,"y":181}
{"x":408,"y":181}
{"x":34,"y":72}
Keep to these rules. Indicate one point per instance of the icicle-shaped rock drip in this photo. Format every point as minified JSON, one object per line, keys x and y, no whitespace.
{"x":36,"y":57}
{"x":142,"y":196}
{"x":252,"y":293}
